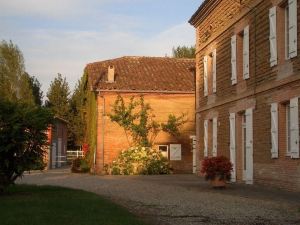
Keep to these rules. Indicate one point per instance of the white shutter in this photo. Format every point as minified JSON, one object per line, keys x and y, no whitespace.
{"x":59,"y":148}
{"x":246,"y":53}
{"x":292,"y":28}
{"x":273,"y":36}
{"x":214,"y":59}
{"x":294,"y":128}
{"x":249,"y":146}
{"x":215,"y":137}
{"x":274,"y":130}
{"x":233,"y":60}
{"x":232,"y":146}
{"x":205,"y":74}
{"x":205,"y":138}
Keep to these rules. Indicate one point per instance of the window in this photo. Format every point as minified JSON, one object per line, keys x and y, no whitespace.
{"x":240,"y":56}
{"x":210,"y":137}
{"x":283,"y":31}
{"x":164,"y":149}
{"x":209,"y":73}
{"x":285,"y":118}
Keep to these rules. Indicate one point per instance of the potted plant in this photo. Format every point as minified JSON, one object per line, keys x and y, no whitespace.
{"x":217,"y":170}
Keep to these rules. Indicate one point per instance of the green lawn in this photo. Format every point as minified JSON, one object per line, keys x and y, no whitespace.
{"x":45,"y":205}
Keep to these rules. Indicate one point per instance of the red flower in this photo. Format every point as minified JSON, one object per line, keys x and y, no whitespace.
{"x":216,"y":166}
{"x":85,"y":148}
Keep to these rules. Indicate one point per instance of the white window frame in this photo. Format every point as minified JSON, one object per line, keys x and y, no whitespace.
{"x":205,"y":75}
{"x":214,"y":70}
{"x":288,"y":129}
{"x":286,"y":31}
{"x":246,"y":53}
{"x":233,"y":60}
{"x":291,"y":33}
{"x":273,"y":36}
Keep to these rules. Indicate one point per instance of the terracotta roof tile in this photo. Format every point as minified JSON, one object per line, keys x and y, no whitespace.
{"x":144,"y":74}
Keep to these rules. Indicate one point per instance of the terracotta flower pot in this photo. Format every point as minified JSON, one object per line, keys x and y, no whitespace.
{"x":217,"y":182}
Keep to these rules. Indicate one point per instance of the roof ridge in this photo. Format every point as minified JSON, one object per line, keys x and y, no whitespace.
{"x":142,"y":57}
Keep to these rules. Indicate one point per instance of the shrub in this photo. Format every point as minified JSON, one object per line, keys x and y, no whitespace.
{"x":80,"y":165}
{"x":216,"y":167}
{"x":138,"y":161}
{"x":22,"y":139}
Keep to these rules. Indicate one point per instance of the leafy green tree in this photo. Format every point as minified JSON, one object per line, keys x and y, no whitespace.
{"x":184,"y":52}
{"x":77,"y":123}
{"x":22,"y":139}
{"x":13,"y":83}
{"x":137,"y":120}
{"x":35,"y":87}
{"x":58,"y":97}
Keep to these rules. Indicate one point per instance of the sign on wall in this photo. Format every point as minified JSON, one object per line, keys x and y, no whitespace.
{"x":175,"y":152}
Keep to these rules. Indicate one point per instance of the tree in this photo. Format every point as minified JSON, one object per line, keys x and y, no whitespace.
{"x":22,"y":139}
{"x":184,"y":52}
{"x":35,"y":87}
{"x":14,"y":85}
{"x":137,"y":120}
{"x":77,"y":124}
{"x":58,"y":97}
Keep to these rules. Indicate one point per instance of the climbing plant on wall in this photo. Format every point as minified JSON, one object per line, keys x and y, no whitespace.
{"x":138,"y":121}
{"x":90,"y":118}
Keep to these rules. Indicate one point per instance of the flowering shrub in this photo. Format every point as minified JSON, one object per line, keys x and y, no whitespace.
{"x":80,"y":165}
{"x":85,"y":148}
{"x":216,"y":167}
{"x":139,"y":160}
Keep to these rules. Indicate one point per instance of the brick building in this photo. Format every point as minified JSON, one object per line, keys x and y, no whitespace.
{"x":248,"y":88}
{"x":56,"y":152}
{"x":167,"y":84}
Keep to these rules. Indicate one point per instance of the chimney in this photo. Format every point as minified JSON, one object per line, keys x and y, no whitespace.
{"x":111,"y":74}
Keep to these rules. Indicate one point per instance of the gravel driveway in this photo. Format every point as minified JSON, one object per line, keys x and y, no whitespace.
{"x":183,"y":199}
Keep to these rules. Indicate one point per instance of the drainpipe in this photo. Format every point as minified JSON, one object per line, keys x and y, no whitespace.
{"x":103,"y":128}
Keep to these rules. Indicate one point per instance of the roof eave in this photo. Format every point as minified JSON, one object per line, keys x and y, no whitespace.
{"x":205,"y":8}
{"x":146,"y":91}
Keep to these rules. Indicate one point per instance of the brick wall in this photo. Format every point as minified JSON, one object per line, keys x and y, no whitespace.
{"x":265,"y":86}
{"x":114,"y":139}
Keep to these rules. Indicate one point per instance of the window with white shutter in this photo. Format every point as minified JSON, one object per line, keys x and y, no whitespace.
{"x":294,"y":128}
{"x":215,"y":136}
{"x":274,"y":130}
{"x":233,"y":60}
{"x":273,"y":36}
{"x":246,"y":74}
{"x":205,"y":138}
{"x":205,"y":75}
{"x":214,"y":70}
{"x":232,"y":146}
{"x":291,"y":26}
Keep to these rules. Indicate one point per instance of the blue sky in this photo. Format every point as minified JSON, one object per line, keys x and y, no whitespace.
{"x":62,"y":36}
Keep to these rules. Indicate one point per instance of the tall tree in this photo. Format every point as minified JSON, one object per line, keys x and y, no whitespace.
{"x":13,"y":83}
{"x":77,"y":124}
{"x":184,"y":52}
{"x":58,"y":97}
{"x":35,"y":87}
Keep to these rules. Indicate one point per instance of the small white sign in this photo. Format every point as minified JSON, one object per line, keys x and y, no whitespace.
{"x":175,"y":152}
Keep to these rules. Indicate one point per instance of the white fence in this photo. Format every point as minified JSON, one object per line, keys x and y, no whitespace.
{"x":73,"y":155}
